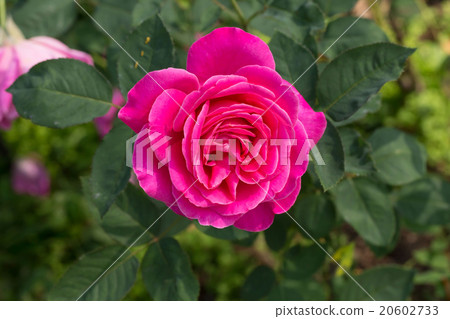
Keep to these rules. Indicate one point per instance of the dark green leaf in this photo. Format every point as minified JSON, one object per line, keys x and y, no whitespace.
{"x":155,"y":55}
{"x":144,"y":10}
{"x":298,"y":290}
{"x":316,"y":214}
{"x":288,"y":5}
{"x":122,"y":227}
{"x":331,"y":171}
{"x":332,"y":7}
{"x":425,"y":202}
{"x":114,"y":16}
{"x":148,"y":212}
{"x":228,"y":233}
{"x":44,"y":17}
{"x":382,"y":283}
{"x":373,"y":105}
{"x":110,"y":174}
{"x":310,"y":15}
{"x":167,"y":272}
{"x":357,"y":153}
{"x":276,"y":234}
{"x":61,"y":93}
{"x":295,"y":64}
{"x":361,"y":72}
{"x":113,"y":285}
{"x":398,"y":157}
{"x":302,"y":262}
{"x":258,"y":284}
{"x":362,"y":32}
{"x":366,"y":206}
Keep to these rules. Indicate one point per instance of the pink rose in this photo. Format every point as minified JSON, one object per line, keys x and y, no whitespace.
{"x":105,"y":122}
{"x":29,"y":176}
{"x":232,"y":97}
{"x":18,"y":56}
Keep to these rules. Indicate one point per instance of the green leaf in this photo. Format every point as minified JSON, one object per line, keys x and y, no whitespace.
{"x":310,"y":15}
{"x":123,"y":228}
{"x":366,"y":206}
{"x":204,"y":14}
{"x":147,"y":211}
{"x":302,"y":262}
{"x":144,"y":10}
{"x":60,"y":93}
{"x":398,"y":157}
{"x":288,"y":5}
{"x":332,"y":152}
{"x":373,"y":105}
{"x":167,"y":273}
{"x":115,"y":17}
{"x":357,"y":153}
{"x":276,"y":234}
{"x":362,"y":32}
{"x":227,"y":233}
{"x":44,"y":17}
{"x":425,"y":202}
{"x":157,"y":54}
{"x":389,"y":283}
{"x":316,"y":214}
{"x":293,"y":62}
{"x":110,"y":174}
{"x":113,"y":285}
{"x":333,"y":7}
{"x":361,"y":72}
{"x":258,"y":284}
{"x":298,"y":290}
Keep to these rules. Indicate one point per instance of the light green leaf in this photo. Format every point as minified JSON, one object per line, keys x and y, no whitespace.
{"x":167,"y":273}
{"x":398,"y":157}
{"x":60,"y":93}
{"x":44,"y":17}
{"x":389,"y":283}
{"x":366,"y":206}
{"x":362,"y":32}
{"x":113,"y":285}
{"x":151,"y":46}
{"x":110,"y":174}
{"x":295,"y":64}
{"x":361,"y":72}
{"x":357,"y":153}
{"x":258,"y":284}
{"x":425,"y":202}
{"x":332,"y":152}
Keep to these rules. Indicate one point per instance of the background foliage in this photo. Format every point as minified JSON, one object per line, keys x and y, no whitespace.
{"x":380,"y":207}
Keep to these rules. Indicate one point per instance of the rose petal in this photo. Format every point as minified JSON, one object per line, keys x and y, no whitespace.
{"x":226,"y":50}
{"x":258,"y":219}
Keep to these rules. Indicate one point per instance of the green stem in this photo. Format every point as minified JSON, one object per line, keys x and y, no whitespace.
{"x":239,"y":13}
{"x":2,"y":13}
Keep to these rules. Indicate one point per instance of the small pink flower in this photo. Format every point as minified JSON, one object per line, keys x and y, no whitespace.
{"x":105,"y":122}
{"x":18,"y":56}
{"x":29,"y":176}
{"x":230,"y":93}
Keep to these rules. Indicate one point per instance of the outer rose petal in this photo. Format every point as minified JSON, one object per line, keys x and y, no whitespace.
{"x":9,"y":71}
{"x":142,"y":96}
{"x":63,"y":49}
{"x":105,"y":122}
{"x":257,"y":219}
{"x":314,"y":122}
{"x":226,"y":50}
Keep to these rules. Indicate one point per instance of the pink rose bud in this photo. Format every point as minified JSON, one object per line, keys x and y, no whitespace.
{"x":105,"y":122}
{"x":30,"y":177}
{"x":226,"y":141}
{"x":18,"y":56}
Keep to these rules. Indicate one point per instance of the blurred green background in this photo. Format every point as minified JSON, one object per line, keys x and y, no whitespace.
{"x":41,"y":237}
